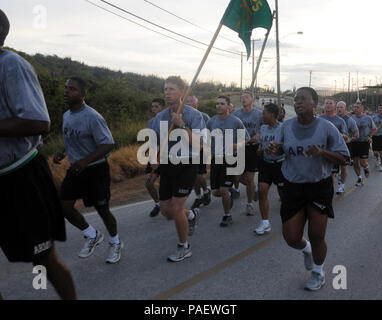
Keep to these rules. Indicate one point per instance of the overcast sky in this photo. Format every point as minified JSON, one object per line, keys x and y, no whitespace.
{"x":339,"y":36}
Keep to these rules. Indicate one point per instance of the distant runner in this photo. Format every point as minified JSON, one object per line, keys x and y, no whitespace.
{"x":377,"y":137}
{"x":157,"y":105}
{"x":201,"y":182}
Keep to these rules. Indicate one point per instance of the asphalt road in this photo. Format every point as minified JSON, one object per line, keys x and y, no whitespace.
{"x":227,"y":263}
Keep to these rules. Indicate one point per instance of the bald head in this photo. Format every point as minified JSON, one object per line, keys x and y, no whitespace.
{"x":193,"y":102}
{"x":341,"y":108}
{"x":4,"y":27}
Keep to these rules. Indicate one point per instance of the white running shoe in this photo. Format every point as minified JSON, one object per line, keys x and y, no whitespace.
{"x":90,"y":245}
{"x":341,"y":189}
{"x":315,"y":282}
{"x":181,"y":254}
{"x":115,"y":252}
{"x":380,"y":169}
{"x":250,"y":209}
{"x":263,"y":228}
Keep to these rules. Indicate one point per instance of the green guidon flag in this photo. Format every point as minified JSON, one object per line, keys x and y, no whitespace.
{"x":244,"y":15}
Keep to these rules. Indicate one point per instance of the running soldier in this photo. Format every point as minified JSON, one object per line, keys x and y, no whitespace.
{"x":311,"y":146}
{"x":88,"y":142}
{"x":177,"y":178}
{"x":269,"y":164}
{"x":157,"y":105}
{"x":352,"y":135}
{"x":360,"y":147}
{"x":377,"y":137}
{"x":31,"y":214}
{"x":201,"y":182}
{"x":252,"y":120}
{"x":221,"y":182}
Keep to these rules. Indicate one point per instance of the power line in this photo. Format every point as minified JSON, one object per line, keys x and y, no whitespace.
{"x":192,"y":23}
{"x":162,"y":34}
{"x":168,"y":30}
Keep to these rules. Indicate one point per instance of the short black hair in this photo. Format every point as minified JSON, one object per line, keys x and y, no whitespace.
{"x":81,"y":82}
{"x":273,"y":109}
{"x":225,"y":98}
{"x":160,"y":101}
{"x":312,"y":92}
{"x":4,"y":23}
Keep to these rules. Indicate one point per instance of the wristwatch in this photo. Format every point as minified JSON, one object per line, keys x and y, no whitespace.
{"x":183,"y":127}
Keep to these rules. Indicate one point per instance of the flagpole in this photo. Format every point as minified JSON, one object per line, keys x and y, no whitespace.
{"x":189,"y":89}
{"x":278,"y":54}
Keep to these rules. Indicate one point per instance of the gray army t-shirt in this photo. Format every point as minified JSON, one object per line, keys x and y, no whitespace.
{"x":296,"y":139}
{"x":338,"y":122}
{"x":84,"y":131}
{"x":22,"y":97}
{"x":268,"y":134}
{"x":351,"y":125}
{"x":364,"y":123}
{"x":231,"y":122}
{"x":252,"y":120}
{"x":191,"y":117}
{"x":377,"y":121}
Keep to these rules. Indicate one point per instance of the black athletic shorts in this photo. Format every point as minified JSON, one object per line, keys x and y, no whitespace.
{"x":31,"y":215}
{"x":360,"y":149}
{"x":149,"y":169}
{"x":218,"y":175}
{"x":377,"y":143}
{"x":271,"y":173}
{"x":297,"y":196}
{"x":177,"y":180}
{"x":92,"y":186}
{"x":251,"y":158}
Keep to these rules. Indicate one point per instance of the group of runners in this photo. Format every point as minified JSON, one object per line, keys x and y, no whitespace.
{"x":297,"y":155}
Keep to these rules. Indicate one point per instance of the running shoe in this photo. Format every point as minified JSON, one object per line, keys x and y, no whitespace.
{"x":315,"y":282}
{"x":227,"y":220}
{"x":341,"y":189}
{"x":359,"y":182}
{"x":263,"y":228}
{"x":192,"y":223}
{"x":366,"y":172}
{"x":197,"y":203}
{"x":155,"y":211}
{"x":90,"y":244}
{"x":378,"y":162}
{"x":207,"y":198}
{"x":115,"y":252}
{"x":380,"y":169}
{"x":181,"y":254}
{"x":250,"y":209}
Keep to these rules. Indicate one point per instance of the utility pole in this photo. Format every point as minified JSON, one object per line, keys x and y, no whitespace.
{"x":349,"y":89}
{"x":278,"y":54}
{"x":335,"y":87}
{"x":241,"y":75}
{"x":253,"y":66}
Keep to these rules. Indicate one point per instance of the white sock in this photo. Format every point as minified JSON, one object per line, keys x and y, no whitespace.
{"x":199,"y":196}
{"x":360,"y":176}
{"x":157,"y":204}
{"x":318,"y":269}
{"x":114,"y":240}
{"x":227,"y":214}
{"x":90,"y":232}
{"x":308,"y":247}
{"x":184,"y":244}
{"x":367,"y":168}
{"x":266,"y":222}
{"x":237,"y":189}
{"x":206,"y":192}
{"x":191,"y":215}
